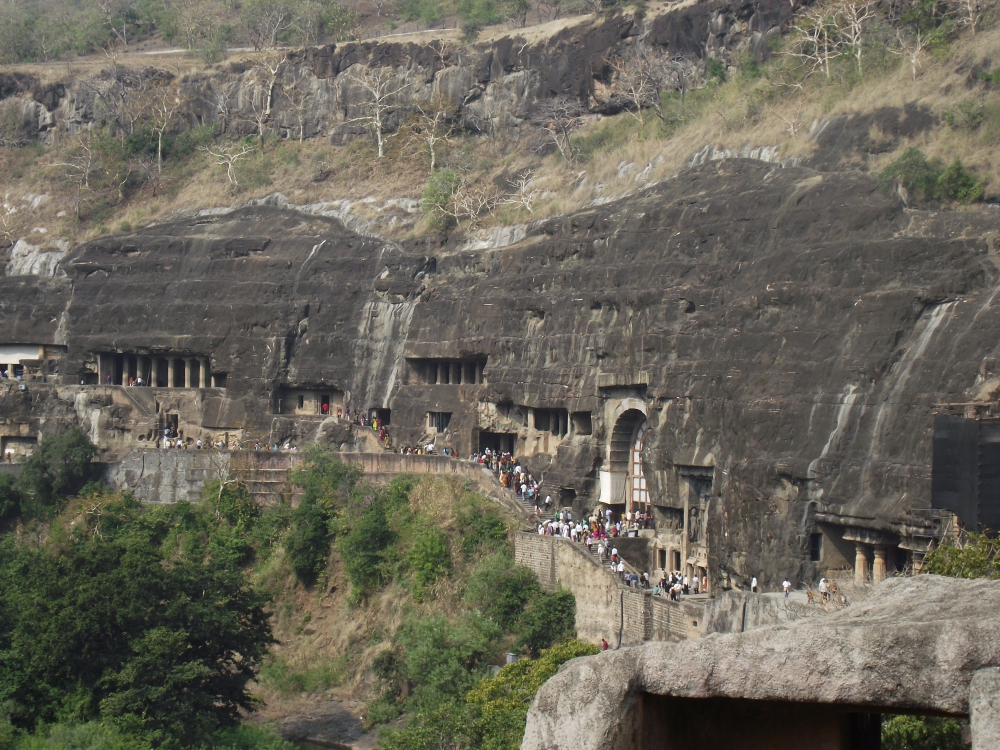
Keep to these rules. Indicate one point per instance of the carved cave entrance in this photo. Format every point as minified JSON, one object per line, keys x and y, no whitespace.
{"x":626,"y":472}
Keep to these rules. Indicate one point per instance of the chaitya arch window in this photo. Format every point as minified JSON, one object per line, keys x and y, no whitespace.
{"x":640,"y":494}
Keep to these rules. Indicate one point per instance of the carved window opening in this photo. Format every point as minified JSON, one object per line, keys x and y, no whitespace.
{"x":637,"y":481}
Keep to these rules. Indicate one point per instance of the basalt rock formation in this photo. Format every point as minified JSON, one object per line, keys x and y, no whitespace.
{"x":915,"y":646}
{"x":495,"y":83}
{"x":769,"y":344}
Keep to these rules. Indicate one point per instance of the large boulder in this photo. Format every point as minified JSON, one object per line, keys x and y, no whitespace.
{"x":913,"y":646}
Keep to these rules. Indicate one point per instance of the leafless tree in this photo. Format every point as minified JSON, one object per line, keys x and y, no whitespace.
{"x":432,"y":126}
{"x":265,"y":20}
{"x":229,"y":156}
{"x":558,"y":118}
{"x":972,"y":11}
{"x":639,"y":78}
{"x":911,"y":49}
{"x":224,"y":102}
{"x":264,"y":77}
{"x":9,"y":223}
{"x":852,"y":17}
{"x":298,"y":95}
{"x":814,"y":39}
{"x":193,"y":20}
{"x":523,"y":194}
{"x":163,"y":103}
{"x":118,"y":14}
{"x":78,"y":169}
{"x":381,"y":89}
{"x":471,"y":201}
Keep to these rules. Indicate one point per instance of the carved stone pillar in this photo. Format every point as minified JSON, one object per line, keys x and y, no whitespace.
{"x":187,"y":373}
{"x":879,"y":566}
{"x":171,"y":372}
{"x":860,"y":564}
{"x":438,"y":372}
{"x":203,"y":372}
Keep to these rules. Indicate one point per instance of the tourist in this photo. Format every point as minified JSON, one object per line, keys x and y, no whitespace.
{"x":753,"y":584}
{"x":824,"y":589}
{"x":786,"y":586}
{"x":694,"y":584}
{"x":604,"y":644}
{"x":198,"y":444}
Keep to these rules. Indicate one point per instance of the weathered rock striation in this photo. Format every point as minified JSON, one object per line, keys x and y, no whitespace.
{"x":495,"y":82}
{"x":759,"y":349}
{"x":914,"y":646}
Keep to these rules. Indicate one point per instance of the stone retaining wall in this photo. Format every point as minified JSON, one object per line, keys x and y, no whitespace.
{"x":604,"y":607}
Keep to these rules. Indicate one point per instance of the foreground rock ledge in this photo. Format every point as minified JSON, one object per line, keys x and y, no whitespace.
{"x":913,"y":647}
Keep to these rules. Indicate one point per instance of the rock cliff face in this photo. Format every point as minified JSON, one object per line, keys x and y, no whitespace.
{"x":914,"y":646}
{"x":784,"y":334}
{"x":490,"y":83}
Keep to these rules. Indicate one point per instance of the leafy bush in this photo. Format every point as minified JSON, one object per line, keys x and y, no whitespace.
{"x":913,"y":171}
{"x":921,"y":733}
{"x":326,"y":481}
{"x":107,"y":630}
{"x":715,"y":70}
{"x":281,"y":677}
{"x":549,"y":619}
{"x":500,"y":589}
{"x":977,"y":557}
{"x":58,"y":468}
{"x":493,"y":714}
{"x":437,"y":195}
{"x":429,"y":558}
{"x":308,"y":543}
{"x":444,"y":660}
{"x":483,"y":527}
{"x":10,"y":497}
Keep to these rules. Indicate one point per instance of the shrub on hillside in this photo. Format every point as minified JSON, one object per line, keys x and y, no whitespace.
{"x":548,"y":620}
{"x":443,"y":660}
{"x":977,"y":557}
{"x":58,"y":468}
{"x":929,"y":180}
{"x":492,"y":715}
{"x":429,"y":558}
{"x":500,"y":589}
{"x":10,"y":497}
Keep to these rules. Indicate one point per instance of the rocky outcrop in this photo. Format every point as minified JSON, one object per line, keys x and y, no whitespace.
{"x":914,"y":646}
{"x":315,"y":92}
{"x":787,"y":334}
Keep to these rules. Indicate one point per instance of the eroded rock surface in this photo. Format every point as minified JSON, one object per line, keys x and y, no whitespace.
{"x":785,"y":333}
{"x":915,"y":645}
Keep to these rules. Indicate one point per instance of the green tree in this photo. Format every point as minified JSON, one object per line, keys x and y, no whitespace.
{"x":977,"y":557}
{"x":58,"y":468}
{"x":502,"y":702}
{"x":326,"y":482}
{"x":549,"y":619}
{"x":429,"y":558}
{"x":500,"y":589}
{"x":10,"y":497}
{"x":443,"y":660}
{"x":164,"y":649}
{"x":921,"y":733}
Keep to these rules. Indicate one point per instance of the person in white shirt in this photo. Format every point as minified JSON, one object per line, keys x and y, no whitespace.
{"x":786,"y":585}
{"x":753,"y":584}
{"x":694,"y":584}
